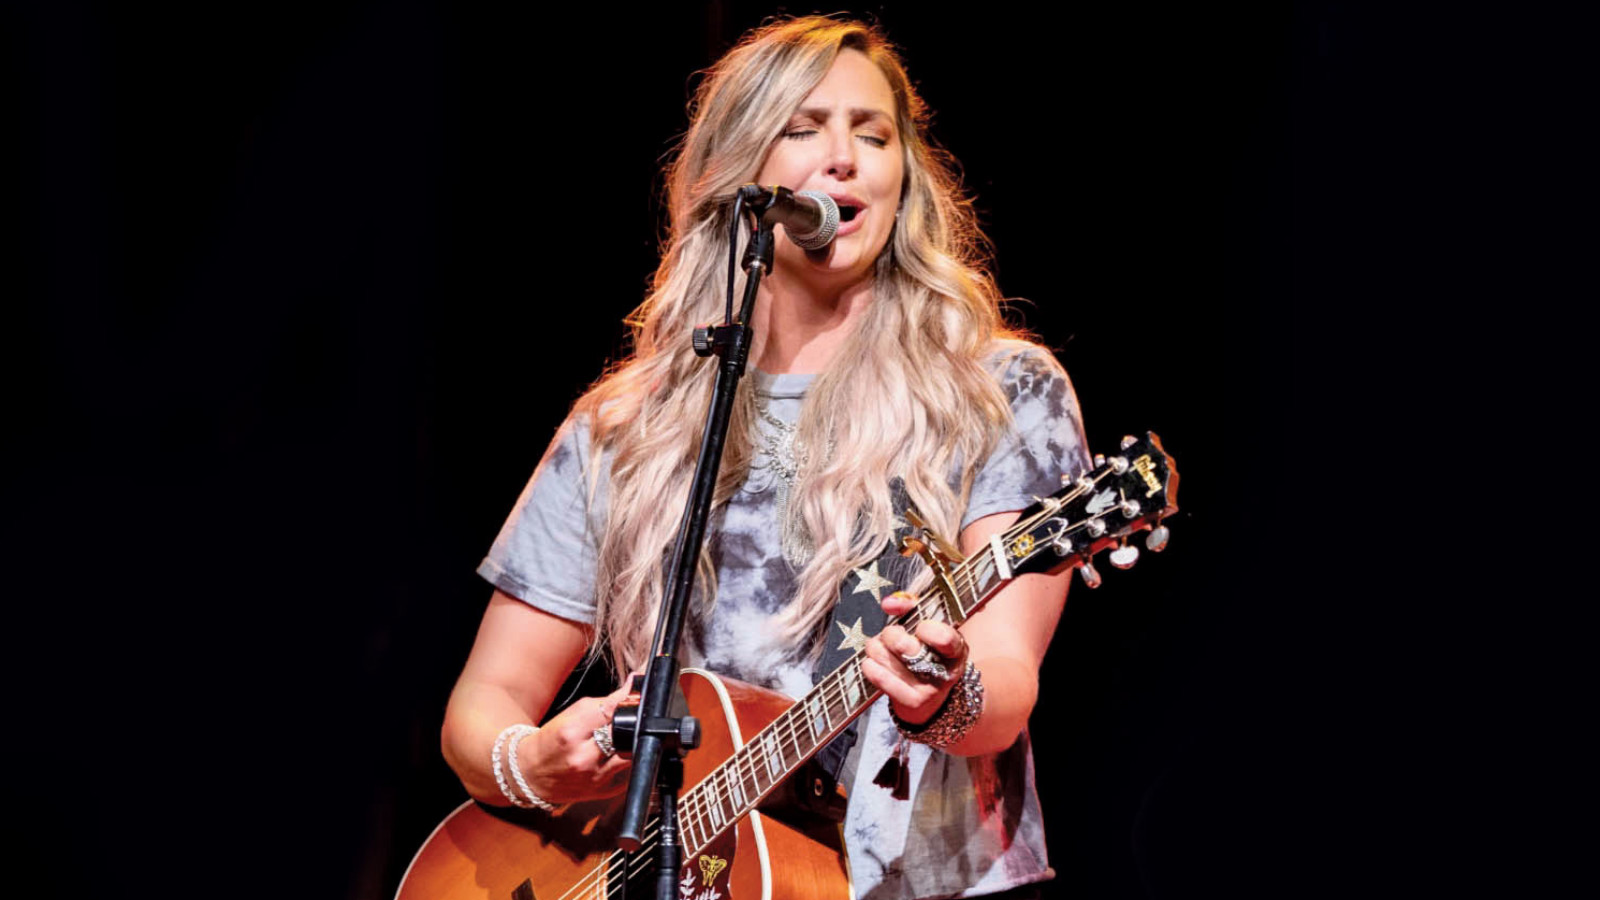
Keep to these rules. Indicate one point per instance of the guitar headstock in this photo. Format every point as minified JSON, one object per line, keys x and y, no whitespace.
{"x":1123,"y":494}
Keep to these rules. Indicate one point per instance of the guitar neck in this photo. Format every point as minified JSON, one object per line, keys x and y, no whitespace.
{"x":755,"y":770}
{"x":1132,"y":491}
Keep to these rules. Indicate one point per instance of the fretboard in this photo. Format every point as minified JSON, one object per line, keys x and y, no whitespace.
{"x":755,"y":770}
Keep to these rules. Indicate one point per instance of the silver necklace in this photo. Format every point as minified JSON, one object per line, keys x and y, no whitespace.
{"x":786,"y":456}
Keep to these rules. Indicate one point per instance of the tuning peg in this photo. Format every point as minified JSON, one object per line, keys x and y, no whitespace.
{"x":1128,"y":440}
{"x":1124,"y":556}
{"x":1095,"y":527}
{"x":1062,"y":544}
{"x":1157,"y":541}
{"x":1099,"y":460}
{"x":1091,"y":578}
{"x":1130,"y":508}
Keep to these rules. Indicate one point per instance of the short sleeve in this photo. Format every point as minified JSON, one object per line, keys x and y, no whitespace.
{"x":1046,"y":438}
{"x":546,"y":552}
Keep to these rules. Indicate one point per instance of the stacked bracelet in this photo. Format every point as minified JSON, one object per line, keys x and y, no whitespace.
{"x":956,"y":716}
{"x":506,"y":746}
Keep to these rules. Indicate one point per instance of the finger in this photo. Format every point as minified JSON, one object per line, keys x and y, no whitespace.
{"x":888,"y":666}
{"x":898,"y":603}
{"x":625,"y":689}
{"x":886,"y":679}
{"x":908,"y":689}
{"x":888,"y":655}
{"x":899,"y":641}
{"x":945,"y":641}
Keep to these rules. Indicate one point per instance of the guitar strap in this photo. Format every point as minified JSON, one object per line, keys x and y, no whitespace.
{"x":857,"y":616}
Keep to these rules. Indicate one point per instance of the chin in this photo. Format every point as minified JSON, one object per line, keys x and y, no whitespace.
{"x":836,"y":259}
{"x":834,"y":268}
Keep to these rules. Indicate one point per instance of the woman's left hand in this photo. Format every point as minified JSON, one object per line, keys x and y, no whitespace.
{"x":915,"y":698}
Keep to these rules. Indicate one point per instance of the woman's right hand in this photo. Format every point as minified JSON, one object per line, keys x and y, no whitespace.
{"x":516,"y":669}
{"x":564,"y":763}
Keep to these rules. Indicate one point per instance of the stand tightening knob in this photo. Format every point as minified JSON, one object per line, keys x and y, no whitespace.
{"x":702,"y":340}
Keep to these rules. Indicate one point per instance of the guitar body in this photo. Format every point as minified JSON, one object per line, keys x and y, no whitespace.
{"x":484,"y":853}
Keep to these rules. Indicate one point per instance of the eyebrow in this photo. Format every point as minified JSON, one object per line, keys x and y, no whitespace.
{"x":857,"y":114}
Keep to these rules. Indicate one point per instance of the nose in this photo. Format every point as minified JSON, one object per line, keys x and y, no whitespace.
{"x":842,"y":156}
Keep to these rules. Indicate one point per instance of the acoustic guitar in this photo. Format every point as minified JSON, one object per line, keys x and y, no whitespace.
{"x":753,"y":739}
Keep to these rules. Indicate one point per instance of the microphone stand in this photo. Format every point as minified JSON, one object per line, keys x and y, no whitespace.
{"x":656,"y":739}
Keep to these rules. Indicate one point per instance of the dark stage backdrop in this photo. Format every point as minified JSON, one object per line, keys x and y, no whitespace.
{"x":299,"y":291}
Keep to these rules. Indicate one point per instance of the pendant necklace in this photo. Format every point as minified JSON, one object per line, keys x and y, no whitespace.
{"x":786,"y":456}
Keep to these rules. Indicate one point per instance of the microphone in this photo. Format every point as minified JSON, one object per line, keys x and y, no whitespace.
{"x":809,"y":218}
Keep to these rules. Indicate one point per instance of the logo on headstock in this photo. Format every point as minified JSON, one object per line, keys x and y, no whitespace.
{"x":1147,"y":470}
{"x":1022,"y":546}
{"x":711,"y":867}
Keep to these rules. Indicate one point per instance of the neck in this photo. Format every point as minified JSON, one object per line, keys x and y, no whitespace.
{"x":800,"y":329}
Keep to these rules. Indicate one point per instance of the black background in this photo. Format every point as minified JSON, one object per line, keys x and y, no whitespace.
{"x":297,"y":292}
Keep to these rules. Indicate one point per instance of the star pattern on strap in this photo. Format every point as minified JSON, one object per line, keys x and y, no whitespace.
{"x":854,"y":637}
{"x":869,"y":580}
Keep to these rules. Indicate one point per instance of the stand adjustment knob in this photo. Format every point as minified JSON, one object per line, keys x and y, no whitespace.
{"x":702,"y":340}
{"x":689,"y":732}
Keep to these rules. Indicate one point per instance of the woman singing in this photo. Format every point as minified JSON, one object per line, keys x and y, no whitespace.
{"x":881,"y":367}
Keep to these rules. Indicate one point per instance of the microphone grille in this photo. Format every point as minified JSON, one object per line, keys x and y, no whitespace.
{"x":823,"y":236}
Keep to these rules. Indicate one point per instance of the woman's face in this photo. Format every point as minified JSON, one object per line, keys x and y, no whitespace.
{"x":843,"y":142}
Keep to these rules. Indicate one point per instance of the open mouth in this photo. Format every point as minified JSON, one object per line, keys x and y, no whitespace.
{"x":848,"y":212}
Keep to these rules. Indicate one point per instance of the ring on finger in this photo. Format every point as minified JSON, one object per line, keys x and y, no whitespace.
{"x":928,"y":666}
{"x":602,"y":739}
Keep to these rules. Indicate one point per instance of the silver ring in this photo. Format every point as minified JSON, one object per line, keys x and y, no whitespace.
{"x":927,"y":665}
{"x":602,"y":739}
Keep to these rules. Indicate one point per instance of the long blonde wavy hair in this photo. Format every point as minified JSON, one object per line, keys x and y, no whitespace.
{"x":907,"y":395}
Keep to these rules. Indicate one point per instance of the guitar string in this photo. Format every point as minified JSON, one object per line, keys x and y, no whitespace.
{"x":833,"y":688}
{"x":831,"y":691}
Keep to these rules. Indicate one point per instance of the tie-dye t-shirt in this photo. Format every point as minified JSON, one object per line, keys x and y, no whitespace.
{"x":973,"y":825}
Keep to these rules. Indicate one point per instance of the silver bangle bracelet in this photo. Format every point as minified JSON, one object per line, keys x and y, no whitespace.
{"x":505,"y":746}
